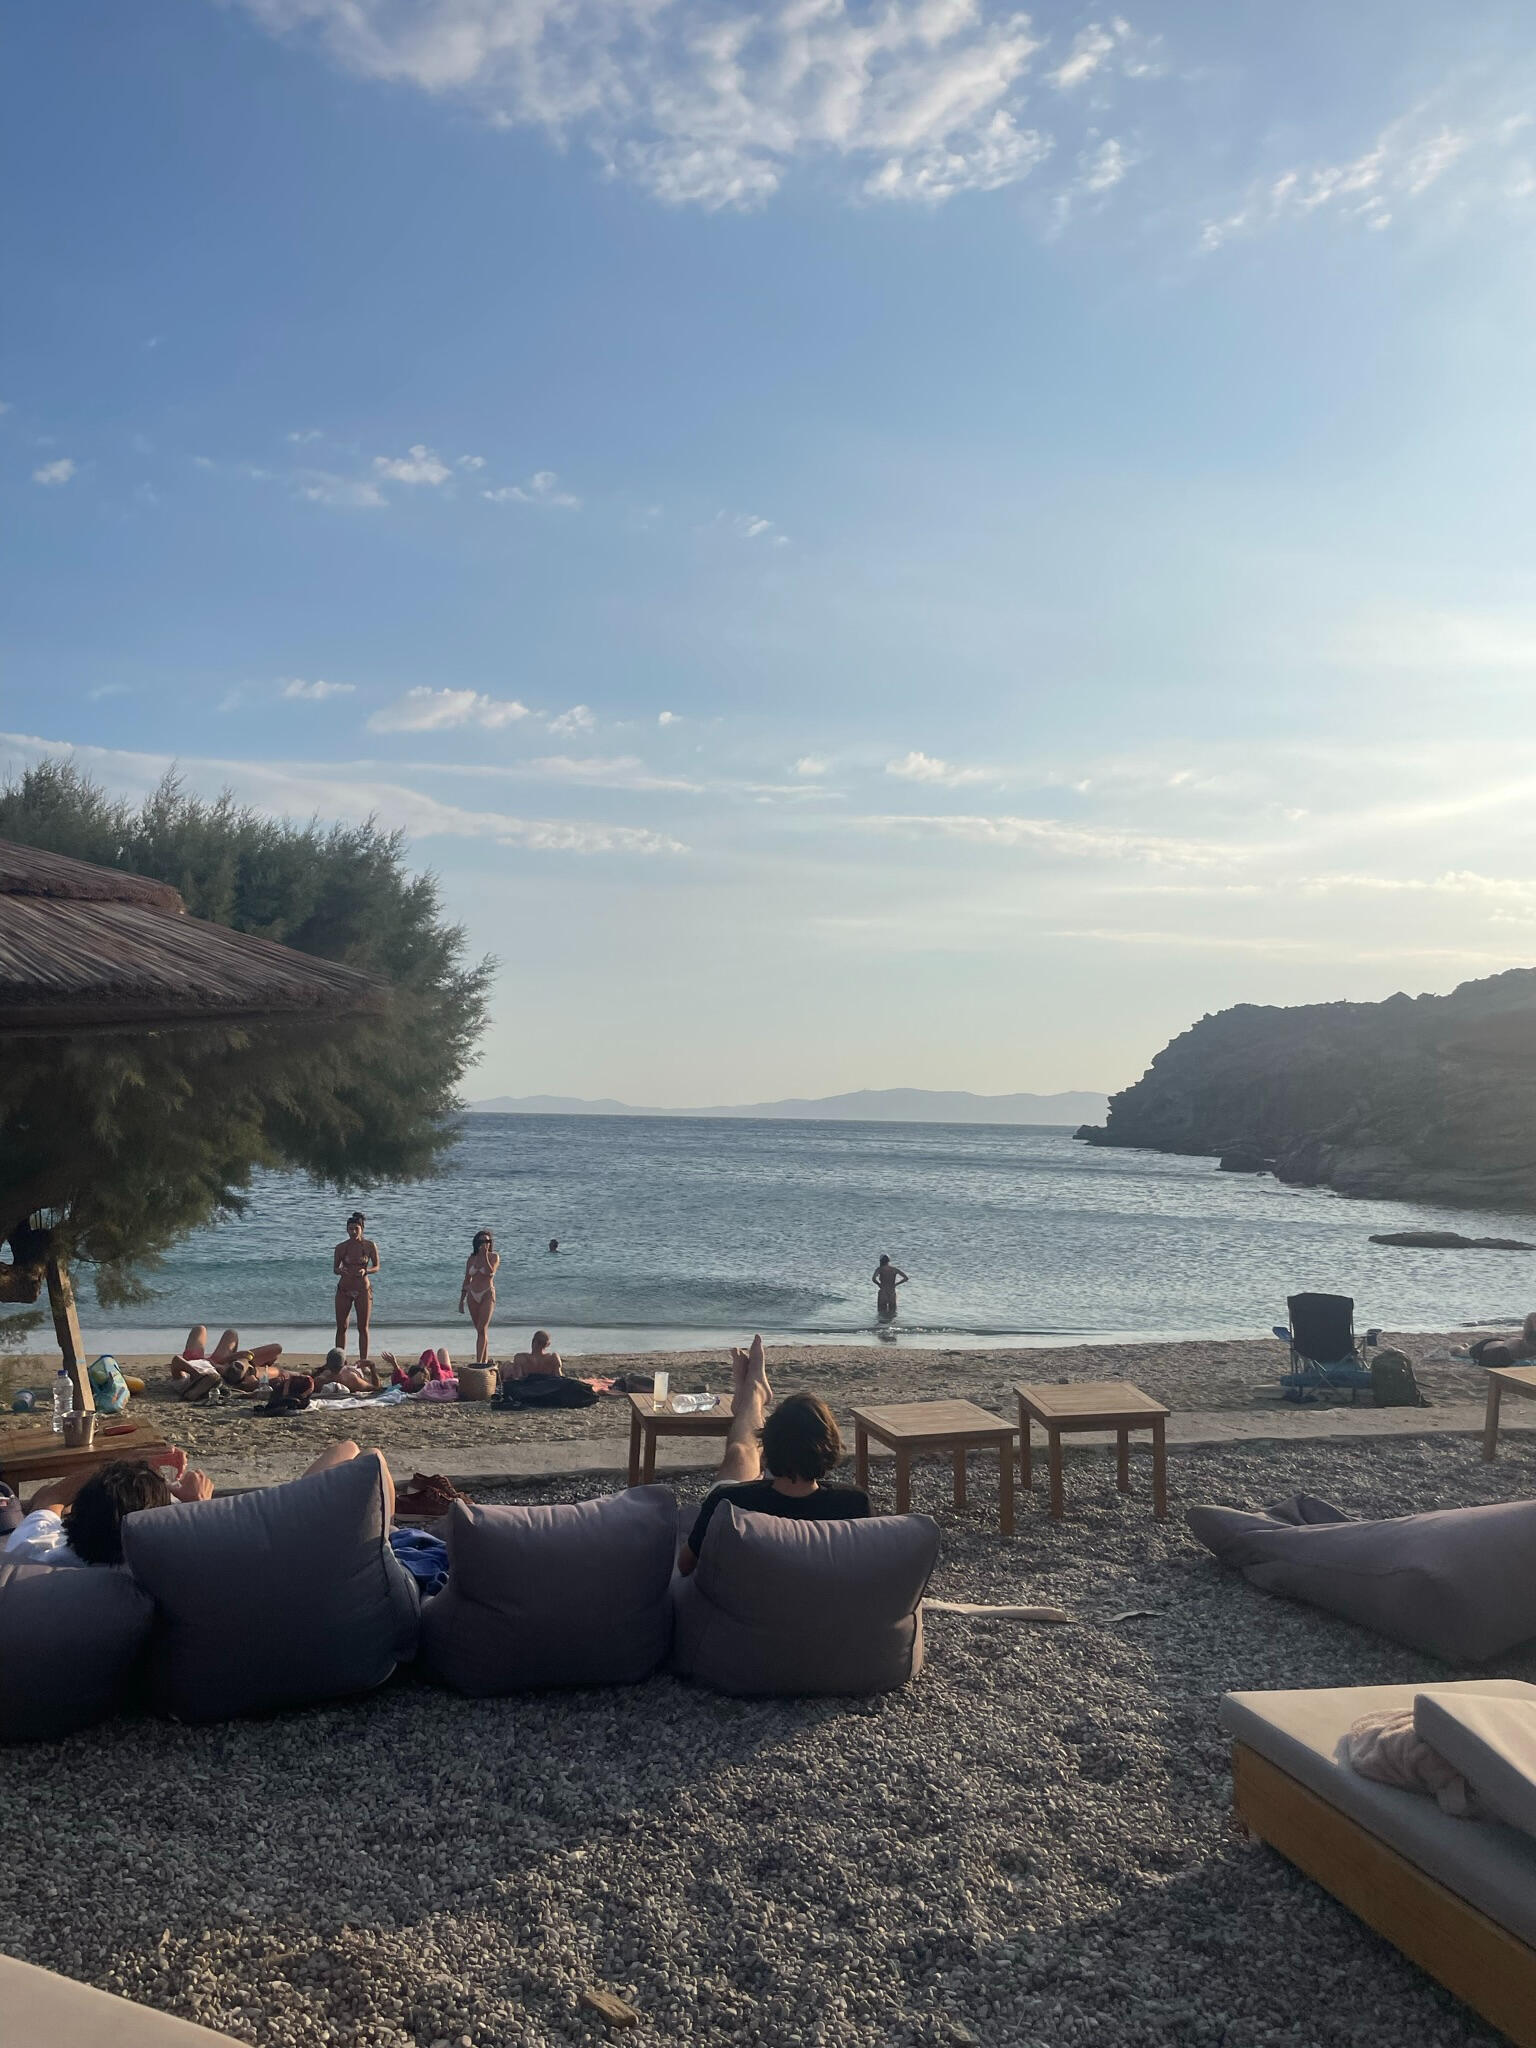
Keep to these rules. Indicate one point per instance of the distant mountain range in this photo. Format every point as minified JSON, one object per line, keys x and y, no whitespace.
{"x":867,"y":1105}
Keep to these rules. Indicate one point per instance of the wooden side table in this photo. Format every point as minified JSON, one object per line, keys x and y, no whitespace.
{"x":1094,"y":1404}
{"x":954,"y":1426}
{"x":28,"y":1454}
{"x":1503,"y":1379}
{"x":647,"y":1422}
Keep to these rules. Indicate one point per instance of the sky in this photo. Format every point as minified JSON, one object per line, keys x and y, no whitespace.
{"x":867,"y":545}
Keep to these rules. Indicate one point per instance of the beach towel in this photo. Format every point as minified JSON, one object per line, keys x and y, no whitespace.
{"x":445,"y":1389}
{"x":424,"y":1557}
{"x":1386,"y":1747}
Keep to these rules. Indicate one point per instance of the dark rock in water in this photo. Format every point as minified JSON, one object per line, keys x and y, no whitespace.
{"x":1245,"y":1162}
{"x":1094,"y":1133}
{"x":1451,"y":1241}
{"x":1419,"y":1098}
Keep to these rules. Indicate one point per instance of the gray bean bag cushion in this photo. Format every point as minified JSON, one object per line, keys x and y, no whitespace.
{"x":276,"y":1598}
{"x":560,"y":1595}
{"x":1460,"y":1583}
{"x":70,"y":1640}
{"x":778,"y":1606}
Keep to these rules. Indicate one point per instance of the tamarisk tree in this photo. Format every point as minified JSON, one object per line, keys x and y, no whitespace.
{"x":115,"y":1146}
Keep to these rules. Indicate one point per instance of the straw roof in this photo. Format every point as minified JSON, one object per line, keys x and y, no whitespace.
{"x":84,"y":948}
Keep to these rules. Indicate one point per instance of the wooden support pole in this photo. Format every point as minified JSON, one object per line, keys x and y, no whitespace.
{"x":66,"y":1325}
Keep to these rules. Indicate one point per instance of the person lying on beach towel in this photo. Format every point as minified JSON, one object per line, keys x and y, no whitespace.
{"x":1515,"y":1349}
{"x":336,"y":1376}
{"x":202,"y":1370}
{"x":799,"y":1443}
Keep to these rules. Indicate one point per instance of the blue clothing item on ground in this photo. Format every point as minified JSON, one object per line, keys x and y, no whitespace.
{"x":424,"y":1557}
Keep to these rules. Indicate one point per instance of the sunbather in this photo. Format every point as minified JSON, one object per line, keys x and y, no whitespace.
{"x":336,"y":1376}
{"x":1513,"y":1350}
{"x":799,"y":1443}
{"x":540,"y":1357}
{"x":226,"y":1365}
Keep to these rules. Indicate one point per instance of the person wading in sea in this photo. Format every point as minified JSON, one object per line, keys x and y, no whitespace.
{"x":355,"y":1262}
{"x":887,"y":1279}
{"x":478,"y":1294}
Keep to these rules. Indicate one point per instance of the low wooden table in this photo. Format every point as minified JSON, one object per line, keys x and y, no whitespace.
{"x":1094,"y":1404}
{"x":28,"y":1454}
{"x":955,"y":1426}
{"x":647,"y":1422}
{"x":1503,"y":1379}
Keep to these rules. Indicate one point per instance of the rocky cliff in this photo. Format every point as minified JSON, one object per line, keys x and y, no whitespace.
{"x":1421,"y":1097}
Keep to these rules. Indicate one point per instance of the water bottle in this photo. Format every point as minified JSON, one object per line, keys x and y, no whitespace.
{"x":63,"y":1399}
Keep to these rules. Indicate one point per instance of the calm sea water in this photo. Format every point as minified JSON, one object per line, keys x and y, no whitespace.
{"x":679,"y":1232}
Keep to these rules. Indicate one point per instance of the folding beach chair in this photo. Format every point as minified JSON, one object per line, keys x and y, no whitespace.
{"x":1324,"y":1354}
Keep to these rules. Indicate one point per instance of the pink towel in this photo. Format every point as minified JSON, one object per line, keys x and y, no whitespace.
{"x":1384,"y":1746}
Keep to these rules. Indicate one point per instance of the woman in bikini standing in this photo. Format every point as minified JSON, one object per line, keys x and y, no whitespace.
{"x":356,"y":1260}
{"x":479,"y":1292}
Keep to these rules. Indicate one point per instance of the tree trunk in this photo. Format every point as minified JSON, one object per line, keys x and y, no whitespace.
{"x":66,"y":1324}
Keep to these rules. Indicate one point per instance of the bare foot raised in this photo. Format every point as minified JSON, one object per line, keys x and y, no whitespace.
{"x":741,"y":1366}
{"x":757,"y":1366}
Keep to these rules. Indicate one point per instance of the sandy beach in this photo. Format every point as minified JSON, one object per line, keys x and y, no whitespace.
{"x":1204,"y":1375}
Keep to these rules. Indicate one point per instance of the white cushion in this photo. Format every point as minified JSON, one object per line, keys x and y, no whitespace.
{"x":1491,"y":1741}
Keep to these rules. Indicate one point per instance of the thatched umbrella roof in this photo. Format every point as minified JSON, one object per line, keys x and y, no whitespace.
{"x":85,"y":948}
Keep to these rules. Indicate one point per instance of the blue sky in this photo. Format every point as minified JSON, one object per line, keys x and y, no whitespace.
{"x":868,"y":545}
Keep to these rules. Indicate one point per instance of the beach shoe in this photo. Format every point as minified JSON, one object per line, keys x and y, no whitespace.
{"x":428,"y":1497}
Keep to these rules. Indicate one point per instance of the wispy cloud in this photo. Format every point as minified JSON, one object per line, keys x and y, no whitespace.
{"x":752,"y":526}
{"x":916,"y":767}
{"x":420,"y":466}
{"x":342,"y":493}
{"x":542,"y":488}
{"x":580,"y":718}
{"x":429,"y":710}
{"x":301,"y":437}
{"x":916,"y":99}
{"x":668,"y":718}
{"x":1050,"y":835}
{"x":53,"y":473}
{"x":812,"y":765}
{"x":316,"y":692}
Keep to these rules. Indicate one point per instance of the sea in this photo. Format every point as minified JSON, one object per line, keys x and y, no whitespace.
{"x":688,"y":1233}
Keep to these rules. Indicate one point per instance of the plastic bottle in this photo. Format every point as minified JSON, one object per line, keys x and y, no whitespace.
{"x":63,"y":1399}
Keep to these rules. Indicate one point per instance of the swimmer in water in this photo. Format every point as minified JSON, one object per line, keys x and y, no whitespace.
{"x":887,"y":1279}
{"x":554,"y":1244}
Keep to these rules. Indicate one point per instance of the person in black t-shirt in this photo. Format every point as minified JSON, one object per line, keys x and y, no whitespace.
{"x":798,"y":1442}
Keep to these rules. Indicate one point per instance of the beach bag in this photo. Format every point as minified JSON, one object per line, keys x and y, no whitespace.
{"x":108,"y":1387}
{"x":1393,"y":1384}
{"x":476,"y":1382}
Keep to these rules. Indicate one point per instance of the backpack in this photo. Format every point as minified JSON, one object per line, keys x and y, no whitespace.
{"x":108,"y":1386}
{"x":1393,"y":1384}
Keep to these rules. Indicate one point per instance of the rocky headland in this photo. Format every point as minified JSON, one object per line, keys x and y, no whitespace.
{"x":1422,"y":1098}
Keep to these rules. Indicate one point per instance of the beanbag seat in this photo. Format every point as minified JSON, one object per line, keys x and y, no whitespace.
{"x":70,"y":1645}
{"x":781,"y":1607}
{"x":1458,"y":1582}
{"x":276,"y":1598}
{"x":562,"y":1595}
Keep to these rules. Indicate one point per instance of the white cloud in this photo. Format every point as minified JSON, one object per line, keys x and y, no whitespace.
{"x":419,"y":466}
{"x":202,"y":462}
{"x":1106,"y":166}
{"x":471,"y":462}
{"x":302,"y":436}
{"x":916,"y":767}
{"x":812,"y":765}
{"x":342,"y":493}
{"x":752,"y":526}
{"x":1051,"y":836}
{"x":623,"y":771}
{"x":316,"y":692}
{"x":540,"y":489}
{"x":428,"y":710}
{"x":1410,"y":157}
{"x":58,"y":472}
{"x":914,"y":99}
{"x":579,"y":718}
{"x":1092,"y":46}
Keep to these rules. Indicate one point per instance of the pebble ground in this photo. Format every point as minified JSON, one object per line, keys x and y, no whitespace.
{"x":1031,"y":1847}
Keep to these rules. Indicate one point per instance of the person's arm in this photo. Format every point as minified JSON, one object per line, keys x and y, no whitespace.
{"x":688,"y":1556}
{"x":901,"y":1278}
{"x":464,"y":1290}
{"x":193,"y":1486}
{"x":373,"y":1253}
{"x":551,"y":1362}
{"x":336,"y":1259}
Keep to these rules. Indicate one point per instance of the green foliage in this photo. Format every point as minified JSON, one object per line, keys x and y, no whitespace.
{"x":130,"y":1142}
